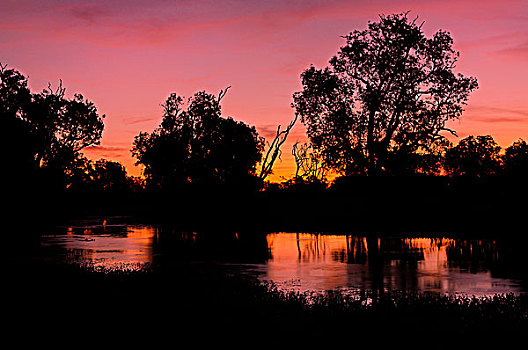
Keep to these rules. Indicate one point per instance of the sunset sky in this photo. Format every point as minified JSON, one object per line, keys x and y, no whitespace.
{"x":127,"y":57}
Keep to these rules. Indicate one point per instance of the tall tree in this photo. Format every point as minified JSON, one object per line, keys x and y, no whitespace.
{"x":195,"y":144}
{"x":62,"y":126}
{"x":47,"y":129}
{"x":389,"y":89}
{"x":17,"y":144}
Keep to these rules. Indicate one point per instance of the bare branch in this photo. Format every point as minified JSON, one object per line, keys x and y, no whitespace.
{"x":274,"y":150}
{"x":223,"y":93}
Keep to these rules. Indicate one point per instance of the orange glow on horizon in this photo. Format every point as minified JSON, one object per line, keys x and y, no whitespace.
{"x":128,"y":58}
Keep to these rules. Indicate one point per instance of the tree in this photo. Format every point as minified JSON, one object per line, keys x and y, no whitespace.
{"x":17,"y":144}
{"x":430,"y":162}
{"x":195,"y":144}
{"x":101,"y":175}
{"x":45,"y":130}
{"x":274,"y":150}
{"x":108,"y":175}
{"x":473,"y":156}
{"x":308,"y":163}
{"x":63,"y":127}
{"x":389,"y":90}
{"x":515,"y":159}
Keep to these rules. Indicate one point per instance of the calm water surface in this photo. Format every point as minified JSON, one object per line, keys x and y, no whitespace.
{"x":303,"y":261}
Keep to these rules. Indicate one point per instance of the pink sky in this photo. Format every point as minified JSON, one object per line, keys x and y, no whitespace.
{"x":127,"y":57}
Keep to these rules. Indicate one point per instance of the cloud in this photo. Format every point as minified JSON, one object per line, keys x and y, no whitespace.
{"x":106,"y":151}
{"x":488,"y":114}
{"x":151,"y":23}
{"x":138,"y":120}
{"x":519,"y":51}
{"x":239,"y":24}
{"x":501,"y":120}
{"x":88,"y":12}
{"x":267,"y":130}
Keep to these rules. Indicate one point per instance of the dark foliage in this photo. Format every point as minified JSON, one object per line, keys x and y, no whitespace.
{"x":197,"y":145}
{"x":45,"y":131}
{"x":200,"y":304}
{"x":388,"y":93}
{"x":473,"y":156}
{"x":515,"y":159}
{"x":101,"y":175}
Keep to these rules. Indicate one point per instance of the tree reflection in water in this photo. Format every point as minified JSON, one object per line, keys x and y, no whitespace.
{"x":309,"y":262}
{"x":325,"y":262}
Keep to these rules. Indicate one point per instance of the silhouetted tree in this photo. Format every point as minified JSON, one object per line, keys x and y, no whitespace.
{"x":515,"y":159}
{"x":110,"y":175}
{"x":17,"y":144}
{"x":80,"y":174}
{"x":195,"y":144}
{"x":387,"y":93}
{"x":63,"y":126}
{"x":473,"y":156}
{"x":308,"y":163}
{"x":425,"y":162}
{"x":47,"y":129}
{"x":101,"y":175}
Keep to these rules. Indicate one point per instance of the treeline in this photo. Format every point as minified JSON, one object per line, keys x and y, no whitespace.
{"x":194,"y":153}
{"x":45,"y":133}
{"x":375,"y":120}
{"x":476,"y":157}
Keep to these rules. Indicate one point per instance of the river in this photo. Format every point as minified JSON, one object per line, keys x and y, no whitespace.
{"x":302,"y":262}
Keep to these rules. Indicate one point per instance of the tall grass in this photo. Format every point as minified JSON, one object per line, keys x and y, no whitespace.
{"x":201,"y":303}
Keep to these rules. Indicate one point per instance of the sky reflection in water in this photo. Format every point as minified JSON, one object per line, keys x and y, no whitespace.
{"x":106,"y":246}
{"x":308,"y":262}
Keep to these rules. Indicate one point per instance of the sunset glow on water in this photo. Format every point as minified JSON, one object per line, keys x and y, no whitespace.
{"x":110,"y":247}
{"x":306,"y":262}
{"x":334,"y":172}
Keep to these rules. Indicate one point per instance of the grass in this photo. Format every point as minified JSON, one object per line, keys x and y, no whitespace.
{"x":202,"y":305}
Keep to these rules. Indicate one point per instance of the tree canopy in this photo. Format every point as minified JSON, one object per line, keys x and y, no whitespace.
{"x":473,"y":156}
{"x":62,"y":126}
{"x":515,"y":158}
{"x":17,"y":143}
{"x":44,"y":130}
{"x":195,"y":144}
{"x":389,"y":90}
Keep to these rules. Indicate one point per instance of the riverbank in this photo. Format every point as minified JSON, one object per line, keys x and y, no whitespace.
{"x":193,"y":304}
{"x":493,"y":207}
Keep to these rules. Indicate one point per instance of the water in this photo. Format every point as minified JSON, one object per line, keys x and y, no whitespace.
{"x":306,"y":262}
{"x":107,"y":246}
{"x":303,"y":262}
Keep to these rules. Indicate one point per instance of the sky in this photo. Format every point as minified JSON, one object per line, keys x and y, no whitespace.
{"x":128,"y":56}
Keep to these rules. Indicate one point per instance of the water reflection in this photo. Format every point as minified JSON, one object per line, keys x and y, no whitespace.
{"x":107,"y":246}
{"x":307,"y":262}
{"x":303,"y":261}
